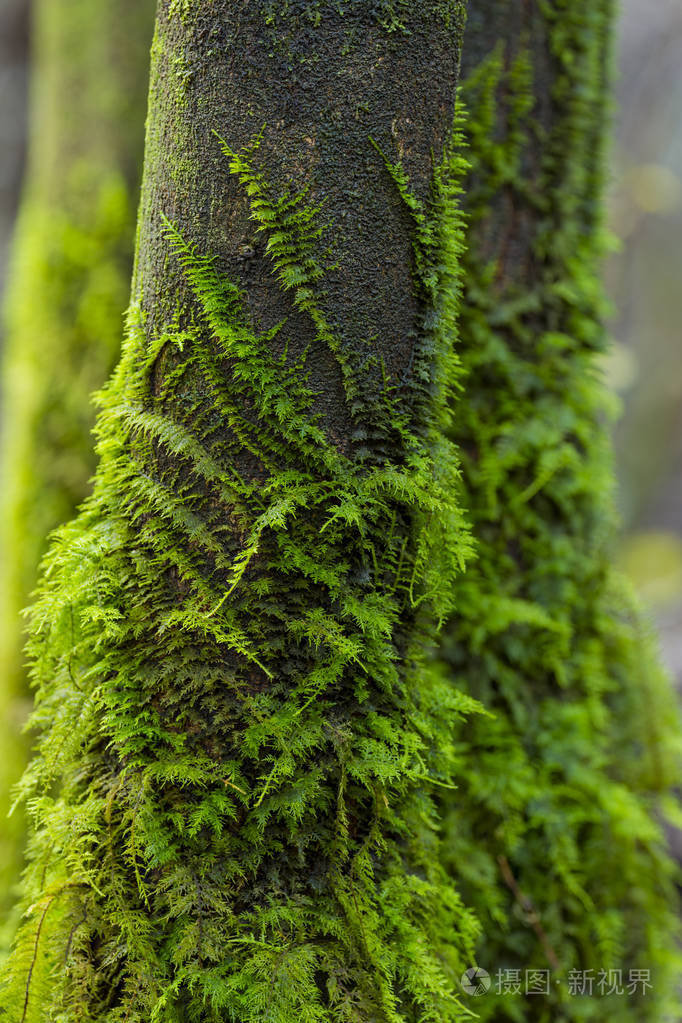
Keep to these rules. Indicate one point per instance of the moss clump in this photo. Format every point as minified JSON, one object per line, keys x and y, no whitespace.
{"x":234,"y":799}
{"x":555,"y":837}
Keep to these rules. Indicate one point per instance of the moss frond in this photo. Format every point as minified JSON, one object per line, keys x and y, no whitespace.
{"x":244,"y":730}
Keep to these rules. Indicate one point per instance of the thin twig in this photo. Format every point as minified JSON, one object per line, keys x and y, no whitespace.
{"x":530,"y":912}
{"x":35,"y":957}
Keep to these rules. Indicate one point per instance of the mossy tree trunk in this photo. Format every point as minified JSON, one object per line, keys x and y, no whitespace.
{"x":67,"y":294}
{"x":241,"y":733}
{"x":554,"y":835}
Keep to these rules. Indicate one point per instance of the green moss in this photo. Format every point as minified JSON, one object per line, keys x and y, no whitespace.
{"x":180,"y":8}
{"x":392,"y":15}
{"x":555,"y":837}
{"x":235,"y":689}
{"x":247,"y":743}
{"x":183,"y":72}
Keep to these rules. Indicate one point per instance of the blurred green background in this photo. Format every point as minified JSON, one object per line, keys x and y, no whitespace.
{"x":644,"y":281}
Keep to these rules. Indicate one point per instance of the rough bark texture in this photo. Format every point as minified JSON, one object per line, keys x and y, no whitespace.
{"x":242,"y":735}
{"x":555,"y":838}
{"x":319,"y":97}
{"x":67,"y":292}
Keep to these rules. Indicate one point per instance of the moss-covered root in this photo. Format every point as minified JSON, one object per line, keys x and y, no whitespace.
{"x":242,"y":734}
{"x":555,"y":837}
{"x":67,"y":292}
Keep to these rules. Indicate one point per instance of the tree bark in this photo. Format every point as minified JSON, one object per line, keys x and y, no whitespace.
{"x":231,"y":639}
{"x":67,"y":292}
{"x":553,"y":838}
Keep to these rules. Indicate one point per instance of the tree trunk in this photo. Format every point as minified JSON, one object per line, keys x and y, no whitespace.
{"x":14,"y":18}
{"x":67,"y":292}
{"x":231,"y":639}
{"x":554,"y":837}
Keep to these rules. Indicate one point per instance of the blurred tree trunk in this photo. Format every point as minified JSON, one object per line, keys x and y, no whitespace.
{"x":229,"y":640}
{"x":67,"y":292}
{"x":554,"y":838}
{"x":13,"y":68}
